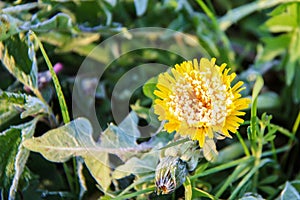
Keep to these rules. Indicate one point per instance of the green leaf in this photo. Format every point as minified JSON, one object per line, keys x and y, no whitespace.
{"x":9,"y":142}
{"x":74,"y":139}
{"x":22,"y":155}
{"x":31,"y":105}
{"x":138,"y":166}
{"x":289,"y":192}
{"x":259,"y":83}
{"x":268,"y":189}
{"x":296,"y":91}
{"x":275,"y":46}
{"x":188,"y":189}
{"x":268,"y":100}
{"x":19,"y":59}
{"x":210,"y":151}
{"x":269,"y":179}
{"x":281,"y":23}
{"x":99,"y":168}
{"x":202,"y":193}
{"x":140,"y":6}
{"x":60,"y":95}
{"x":60,"y":144}
{"x":149,"y":88}
{"x":130,"y":125}
{"x":8,"y":26}
{"x":7,"y":112}
{"x":59,"y":22}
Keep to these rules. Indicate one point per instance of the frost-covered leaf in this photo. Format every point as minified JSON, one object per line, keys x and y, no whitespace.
{"x":289,"y":192}
{"x":26,"y":104}
{"x":8,"y":26}
{"x":27,"y":131}
{"x":210,"y":151}
{"x":100,"y":169}
{"x":74,"y":139}
{"x":13,"y":156}
{"x":140,"y":6}
{"x":9,"y":142}
{"x":60,"y":144}
{"x":34,"y":106}
{"x":146,"y":164}
{"x":130,"y":125}
{"x":59,"y":22}
{"x":7,"y":112}
{"x":115,"y":137}
{"x":19,"y":59}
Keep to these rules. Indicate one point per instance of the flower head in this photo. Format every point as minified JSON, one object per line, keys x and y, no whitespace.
{"x":197,"y":99}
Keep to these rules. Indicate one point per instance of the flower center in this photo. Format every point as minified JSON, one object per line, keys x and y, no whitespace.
{"x":198,"y":99}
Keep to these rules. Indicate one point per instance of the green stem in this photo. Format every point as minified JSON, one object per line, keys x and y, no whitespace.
{"x":222,"y":167}
{"x":68,"y":175}
{"x":247,"y":153}
{"x":296,"y":124}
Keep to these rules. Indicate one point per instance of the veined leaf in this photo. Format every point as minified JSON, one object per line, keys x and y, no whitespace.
{"x":140,"y":6}
{"x":60,"y":144}
{"x":100,"y":169}
{"x":149,"y":88}
{"x":59,"y":22}
{"x":27,"y":131}
{"x":289,"y":192}
{"x":9,"y":141}
{"x":30,"y":105}
{"x":138,"y":166}
{"x":282,"y":23}
{"x":8,"y":26}
{"x":19,"y":59}
{"x":75,"y":139}
{"x":13,"y":156}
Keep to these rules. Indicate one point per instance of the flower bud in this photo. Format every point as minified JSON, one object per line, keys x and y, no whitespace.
{"x":170,"y":174}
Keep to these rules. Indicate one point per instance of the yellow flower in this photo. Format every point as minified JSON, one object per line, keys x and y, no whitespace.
{"x":197,"y":100}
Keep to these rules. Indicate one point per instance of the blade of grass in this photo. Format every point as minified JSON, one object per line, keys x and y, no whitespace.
{"x":60,"y":95}
{"x":140,"y":181}
{"x":222,"y":35}
{"x":246,"y":150}
{"x":231,"y":178}
{"x":236,"y":14}
{"x":295,"y":127}
{"x":253,"y":123}
{"x":134,"y":194}
{"x":247,"y":177}
{"x":204,"y":193}
{"x":222,"y":167}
